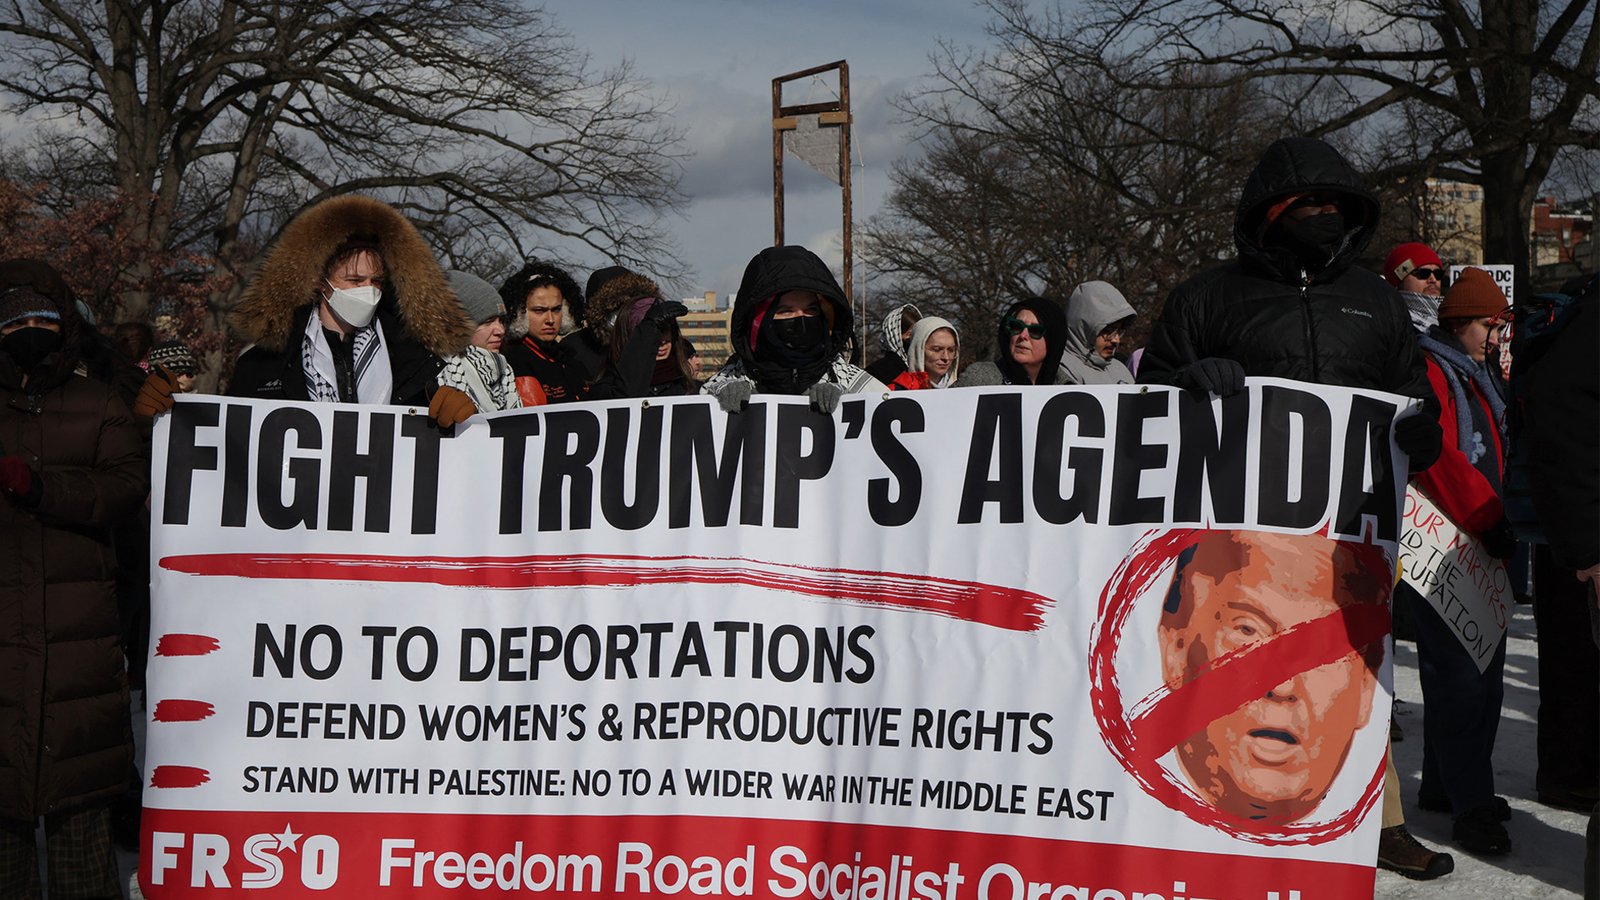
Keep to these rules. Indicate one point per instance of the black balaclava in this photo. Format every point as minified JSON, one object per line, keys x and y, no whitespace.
{"x":791,"y":354}
{"x":1314,"y":240}
{"x":31,"y":346}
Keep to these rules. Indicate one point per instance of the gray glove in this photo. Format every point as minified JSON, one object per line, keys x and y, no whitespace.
{"x":735,"y":395}
{"x":825,"y":397}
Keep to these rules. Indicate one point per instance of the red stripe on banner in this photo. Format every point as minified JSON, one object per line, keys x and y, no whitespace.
{"x":187,"y":645}
{"x":183,"y":711}
{"x":986,"y":604}
{"x":179,"y":777}
{"x":1245,"y":674}
{"x":188,"y":854}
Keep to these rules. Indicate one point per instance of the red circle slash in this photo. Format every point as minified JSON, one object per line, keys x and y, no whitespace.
{"x":1141,"y":735}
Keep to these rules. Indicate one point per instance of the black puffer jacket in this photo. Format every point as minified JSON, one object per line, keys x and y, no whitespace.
{"x":1341,"y":325}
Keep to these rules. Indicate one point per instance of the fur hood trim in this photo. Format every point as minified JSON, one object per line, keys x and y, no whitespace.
{"x":288,"y":278}
{"x":617,"y":292}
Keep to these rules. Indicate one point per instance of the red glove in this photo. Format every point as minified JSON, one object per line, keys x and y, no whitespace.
{"x":15,"y":476}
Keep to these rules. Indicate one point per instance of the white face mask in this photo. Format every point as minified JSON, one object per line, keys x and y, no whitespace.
{"x":355,"y":306}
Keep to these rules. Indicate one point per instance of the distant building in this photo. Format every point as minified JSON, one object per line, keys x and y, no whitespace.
{"x":1560,"y":234}
{"x":1454,"y":226}
{"x":706,"y":327}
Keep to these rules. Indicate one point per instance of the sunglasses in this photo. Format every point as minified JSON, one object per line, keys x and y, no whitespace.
{"x":1015,"y":325}
{"x":1428,"y":274}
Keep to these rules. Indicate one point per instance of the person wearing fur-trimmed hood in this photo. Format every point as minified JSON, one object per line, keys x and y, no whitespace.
{"x":637,"y":329}
{"x":789,"y":330}
{"x":350,"y":305}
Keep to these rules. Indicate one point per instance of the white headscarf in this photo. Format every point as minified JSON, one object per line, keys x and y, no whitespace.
{"x":920,"y":333}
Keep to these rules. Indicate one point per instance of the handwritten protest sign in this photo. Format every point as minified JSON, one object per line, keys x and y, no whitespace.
{"x":1449,"y":567}
{"x":959,"y":644}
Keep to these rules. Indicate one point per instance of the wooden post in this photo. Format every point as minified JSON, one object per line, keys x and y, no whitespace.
{"x":777,"y":164}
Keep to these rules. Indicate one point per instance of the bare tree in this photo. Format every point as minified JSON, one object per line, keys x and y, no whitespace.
{"x":479,"y":119}
{"x":1488,"y":92}
{"x":1041,"y":172}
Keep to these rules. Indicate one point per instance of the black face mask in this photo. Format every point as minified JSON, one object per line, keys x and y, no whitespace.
{"x":1315,"y":240}
{"x":800,"y":334}
{"x":29,"y":346}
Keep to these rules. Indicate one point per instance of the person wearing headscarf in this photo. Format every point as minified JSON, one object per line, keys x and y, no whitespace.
{"x":1031,"y":336}
{"x":638,"y":329}
{"x":790,"y":328}
{"x":351,"y":306}
{"x":933,"y":357}
{"x":480,"y":371}
{"x":73,"y":468}
{"x":1097,"y":316}
{"x":894,"y":343}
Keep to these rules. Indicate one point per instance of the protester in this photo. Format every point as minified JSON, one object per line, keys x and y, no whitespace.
{"x":1561,"y":417}
{"x":351,"y":306}
{"x":1417,"y":273}
{"x":1291,"y":306}
{"x":639,"y":331}
{"x":581,"y":335}
{"x":135,"y":339}
{"x":175,"y":357}
{"x":480,"y":371}
{"x":542,"y":296}
{"x":894,"y":343}
{"x":789,"y":328}
{"x":935,"y":352}
{"x":72,"y":466}
{"x":1097,"y":316}
{"x":1462,"y":705}
{"x":1032,"y":336}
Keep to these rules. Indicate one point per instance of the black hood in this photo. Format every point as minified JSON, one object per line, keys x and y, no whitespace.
{"x":1300,"y":165}
{"x":45,"y":280}
{"x":774,"y":271}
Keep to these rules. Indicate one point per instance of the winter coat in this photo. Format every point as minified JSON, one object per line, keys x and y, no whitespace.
{"x":421,"y":318}
{"x":64,"y":731}
{"x":895,"y":356}
{"x":1560,"y":419}
{"x":1091,"y":308}
{"x":1003,"y":370}
{"x":774,"y":271}
{"x":1465,"y":481}
{"x":1340,"y":325}
{"x":546,"y":371}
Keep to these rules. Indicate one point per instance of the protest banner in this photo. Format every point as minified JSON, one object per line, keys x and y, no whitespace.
{"x":1102,"y":643}
{"x":1469,"y":588}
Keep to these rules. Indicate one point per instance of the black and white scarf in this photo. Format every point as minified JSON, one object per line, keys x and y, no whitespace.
{"x":374,"y":379}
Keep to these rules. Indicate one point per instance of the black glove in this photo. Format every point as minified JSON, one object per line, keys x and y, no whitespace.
{"x":662,"y":312}
{"x":1214,"y":375}
{"x":1500,"y":541}
{"x":1421,"y":439}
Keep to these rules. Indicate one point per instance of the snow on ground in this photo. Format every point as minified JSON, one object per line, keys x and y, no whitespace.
{"x":1546,"y":860}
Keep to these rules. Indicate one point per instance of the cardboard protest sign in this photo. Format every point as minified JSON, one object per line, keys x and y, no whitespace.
{"x":1100,"y":642}
{"x":1470,"y":589}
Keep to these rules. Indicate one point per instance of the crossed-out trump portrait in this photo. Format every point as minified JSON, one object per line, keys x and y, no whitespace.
{"x":1270,"y":648}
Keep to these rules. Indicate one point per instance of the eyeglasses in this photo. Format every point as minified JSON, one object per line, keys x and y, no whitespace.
{"x":1428,"y":274}
{"x":1015,"y":325}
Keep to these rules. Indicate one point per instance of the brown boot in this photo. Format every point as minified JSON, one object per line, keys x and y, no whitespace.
{"x":1399,"y":852}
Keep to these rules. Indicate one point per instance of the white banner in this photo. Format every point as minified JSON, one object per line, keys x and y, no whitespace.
{"x":1097,"y":643}
{"x":1466,"y":586}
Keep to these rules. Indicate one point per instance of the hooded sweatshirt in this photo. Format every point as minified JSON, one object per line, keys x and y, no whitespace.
{"x":775,"y":271}
{"x":1092,"y":307}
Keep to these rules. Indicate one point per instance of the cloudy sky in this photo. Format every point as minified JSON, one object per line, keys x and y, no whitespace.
{"x":715,"y":60}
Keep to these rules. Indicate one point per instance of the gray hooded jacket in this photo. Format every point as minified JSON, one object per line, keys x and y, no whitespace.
{"x":1093,"y":306}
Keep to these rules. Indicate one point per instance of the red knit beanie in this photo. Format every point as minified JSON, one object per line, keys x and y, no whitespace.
{"x":1404,"y":258}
